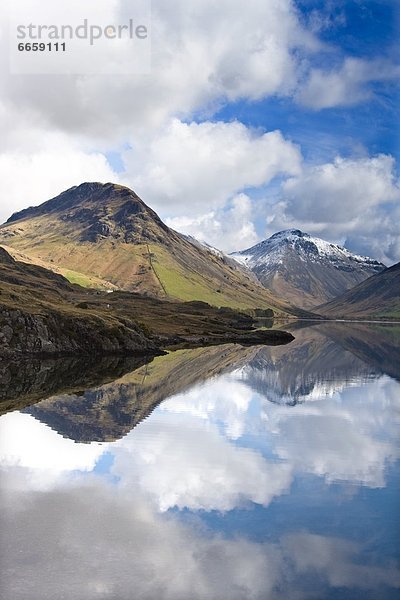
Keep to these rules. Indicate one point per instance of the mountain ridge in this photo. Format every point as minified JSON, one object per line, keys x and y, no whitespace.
{"x":306,"y":269}
{"x":105,"y":233}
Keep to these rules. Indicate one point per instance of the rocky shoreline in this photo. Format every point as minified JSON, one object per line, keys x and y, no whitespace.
{"x":42,"y":336}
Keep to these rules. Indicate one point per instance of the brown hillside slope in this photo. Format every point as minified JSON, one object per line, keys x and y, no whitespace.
{"x":376,"y":298}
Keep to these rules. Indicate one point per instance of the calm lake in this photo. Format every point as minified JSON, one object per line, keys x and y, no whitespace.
{"x":220,"y":473}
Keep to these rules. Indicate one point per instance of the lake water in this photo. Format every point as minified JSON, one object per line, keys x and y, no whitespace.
{"x":223,"y":473}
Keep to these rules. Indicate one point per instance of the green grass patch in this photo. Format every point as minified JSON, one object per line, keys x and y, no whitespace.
{"x":80,"y":279}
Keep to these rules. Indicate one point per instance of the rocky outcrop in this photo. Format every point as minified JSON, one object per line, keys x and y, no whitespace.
{"x":54,"y":334}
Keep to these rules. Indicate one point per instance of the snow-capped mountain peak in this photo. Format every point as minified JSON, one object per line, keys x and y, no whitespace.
{"x":272,"y":250}
{"x":306,"y":269}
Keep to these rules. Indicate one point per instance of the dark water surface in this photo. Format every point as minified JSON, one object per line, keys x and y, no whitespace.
{"x":218,"y":473}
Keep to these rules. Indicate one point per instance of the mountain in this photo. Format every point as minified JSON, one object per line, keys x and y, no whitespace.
{"x":378,"y":297}
{"x":305,"y":270}
{"x":105,"y":236}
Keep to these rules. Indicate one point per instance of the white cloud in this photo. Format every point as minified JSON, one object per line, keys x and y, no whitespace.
{"x":222,"y":400}
{"x":336,"y":561}
{"x":32,"y":175}
{"x":203,"y":53}
{"x":357,"y":199}
{"x":188,"y":168}
{"x":347,"y":85}
{"x":341,"y":191}
{"x":340,"y":438}
{"x":222,"y":228}
{"x":57,"y":129}
{"x":339,"y":433}
{"x":190,"y":465}
{"x":91,"y":541}
{"x":46,"y":456}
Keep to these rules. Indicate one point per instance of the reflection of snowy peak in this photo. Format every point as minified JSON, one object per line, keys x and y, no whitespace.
{"x":305,"y":269}
{"x":312,"y":368}
{"x":270,"y":384}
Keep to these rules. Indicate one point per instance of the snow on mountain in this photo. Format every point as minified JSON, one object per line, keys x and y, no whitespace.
{"x":306,"y":270}
{"x":203,"y":244}
{"x":272,"y":251}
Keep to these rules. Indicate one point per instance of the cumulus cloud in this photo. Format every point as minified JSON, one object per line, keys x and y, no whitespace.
{"x":223,"y":400}
{"x":31,"y":175}
{"x":340,"y":438}
{"x":347,"y":85}
{"x":46,"y":456}
{"x":56,"y":130}
{"x":88,"y":541}
{"x":190,"y":167}
{"x":203,"y":53}
{"x":353,"y":199}
{"x":173,"y":463}
{"x":339,"y":432}
{"x":341,"y":191}
{"x":222,"y":228}
{"x":336,"y":561}
{"x":189,"y":464}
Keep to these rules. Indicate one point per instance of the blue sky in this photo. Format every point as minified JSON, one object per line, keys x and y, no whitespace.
{"x":285,"y":115}
{"x":365,"y":30}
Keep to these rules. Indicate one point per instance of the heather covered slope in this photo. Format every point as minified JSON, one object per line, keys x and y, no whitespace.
{"x":306,"y":270}
{"x":104,"y":235}
{"x":378,"y":297}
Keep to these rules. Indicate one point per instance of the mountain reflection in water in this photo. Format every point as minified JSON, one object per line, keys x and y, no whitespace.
{"x":229,"y":472}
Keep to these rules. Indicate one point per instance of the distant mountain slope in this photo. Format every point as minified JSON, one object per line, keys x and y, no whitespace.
{"x":305,"y":270}
{"x":377,"y":297}
{"x":105,"y":235}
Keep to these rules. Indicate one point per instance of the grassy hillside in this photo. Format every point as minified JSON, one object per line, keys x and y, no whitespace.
{"x":104,"y":236}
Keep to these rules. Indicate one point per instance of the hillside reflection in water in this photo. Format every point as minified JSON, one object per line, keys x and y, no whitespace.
{"x":215,"y":473}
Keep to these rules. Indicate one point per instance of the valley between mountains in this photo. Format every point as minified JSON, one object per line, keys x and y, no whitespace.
{"x":95,"y":270}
